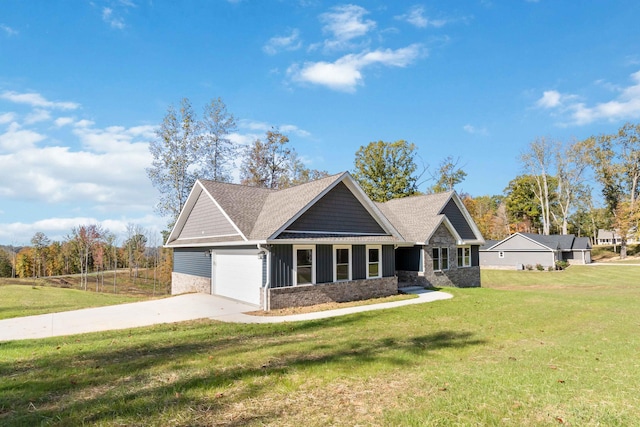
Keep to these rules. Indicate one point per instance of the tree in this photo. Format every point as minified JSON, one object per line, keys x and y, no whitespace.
{"x":615,"y":159}
{"x":537,"y":161}
{"x":39,"y":241}
{"x":273,"y":164}
{"x":84,"y":239}
{"x":215,"y":149}
{"x":488,"y":213}
{"x":523,"y":204}
{"x":448,"y":175}
{"x":6,"y":264}
{"x":387,"y":170}
{"x":174,"y":156}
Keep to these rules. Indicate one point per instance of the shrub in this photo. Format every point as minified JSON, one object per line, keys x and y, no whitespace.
{"x":562,"y":265}
{"x":539,"y":267}
{"x":551,"y":268}
{"x":529,"y":267}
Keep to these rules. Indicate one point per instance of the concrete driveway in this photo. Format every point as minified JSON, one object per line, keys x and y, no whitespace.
{"x":122,"y":316}
{"x":169,"y":310}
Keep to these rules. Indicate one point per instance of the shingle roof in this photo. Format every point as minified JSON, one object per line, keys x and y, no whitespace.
{"x":416,"y":217}
{"x":561,"y":242}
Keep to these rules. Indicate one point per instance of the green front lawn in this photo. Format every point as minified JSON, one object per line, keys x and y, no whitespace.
{"x":21,"y":300}
{"x":530,"y":348}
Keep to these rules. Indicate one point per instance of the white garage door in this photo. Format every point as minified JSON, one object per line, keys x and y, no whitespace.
{"x":237,"y":275}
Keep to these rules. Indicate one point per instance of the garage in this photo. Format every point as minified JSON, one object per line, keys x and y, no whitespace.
{"x":237,"y":275}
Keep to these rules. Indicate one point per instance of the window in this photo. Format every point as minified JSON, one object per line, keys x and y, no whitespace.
{"x":500,"y":254}
{"x":373,"y":261}
{"x":440,"y":258}
{"x":464,"y":257}
{"x":303,"y":261}
{"x":341,"y":263}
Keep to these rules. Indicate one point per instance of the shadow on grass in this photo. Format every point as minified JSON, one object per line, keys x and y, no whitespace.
{"x":193,"y":371}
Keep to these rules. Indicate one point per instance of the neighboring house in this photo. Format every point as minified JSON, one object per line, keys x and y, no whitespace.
{"x":611,"y":237}
{"x":313,"y":243}
{"x":522,"y":249}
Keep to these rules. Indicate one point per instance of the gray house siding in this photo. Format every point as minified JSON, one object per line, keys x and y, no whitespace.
{"x":457,"y":219}
{"x":338,"y":211}
{"x":207,"y":220}
{"x":388,"y":261}
{"x":281,"y":265}
{"x":516,"y":259}
{"x":192,"y":261}
{"x":519,"y":243}
{"x":324,"y":262}
{"x":359,"y":258}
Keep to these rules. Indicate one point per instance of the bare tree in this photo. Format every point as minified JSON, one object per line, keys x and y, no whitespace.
{"x":538,"y":161}
{"x":215,"y":150}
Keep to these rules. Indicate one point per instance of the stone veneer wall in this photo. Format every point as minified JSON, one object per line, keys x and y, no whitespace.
{"x":467,"y":277}
{"x":355,"y":290}
{"x":185,"y":283}
{"x":463,"y":277}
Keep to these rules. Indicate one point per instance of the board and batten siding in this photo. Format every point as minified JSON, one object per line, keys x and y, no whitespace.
{"x":206,"y":220}
{"x":338,"y":211}
{"x":324,"y":263}
{"x":457,"y":219}
{"x":282,"y":263}
{"x":475,"y":255}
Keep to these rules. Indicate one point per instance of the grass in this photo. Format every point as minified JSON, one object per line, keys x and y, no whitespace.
{"x":21,"y":300}
{"x":528,"y":348}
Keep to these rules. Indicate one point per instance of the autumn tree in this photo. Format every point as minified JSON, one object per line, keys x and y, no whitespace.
{"x":39,"y":241}
{"x":387,"y":170}
{"x":448,"y":175}
{"x":615,"y":159}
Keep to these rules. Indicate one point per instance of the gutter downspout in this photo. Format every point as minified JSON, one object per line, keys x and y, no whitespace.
{"x":266,"y":301}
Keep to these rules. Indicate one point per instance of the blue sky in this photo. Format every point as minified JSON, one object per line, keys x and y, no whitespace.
{"x":83,"y":84}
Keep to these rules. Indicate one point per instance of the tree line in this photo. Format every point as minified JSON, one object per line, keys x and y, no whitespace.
{"x":89,"y":249}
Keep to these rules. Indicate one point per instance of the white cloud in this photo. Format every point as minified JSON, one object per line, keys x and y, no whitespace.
{"x":63,"y":121}
{"x":550,"y":99}
{"x":475,"y":130}
{"x":625,"y":106}
{"x":416,"y":17}
{"x":110,"y":18}
{"x":16,"y":138}
{"x":277,"y":44}
{"x":7,"y":117}
{"x":345,"y":23}
{"x":57,"y":229}
{"x":36,"y":100}
{"x":37,"y":115}
{"x":8,"y":30}
{"x":346,"y":73}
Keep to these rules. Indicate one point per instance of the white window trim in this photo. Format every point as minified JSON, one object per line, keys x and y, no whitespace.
{"x":295,"y":263}
{"x":439,"y":249}
{"x":335,"y":266}
{"x":463,"y":264}
{"x":379,"y":248}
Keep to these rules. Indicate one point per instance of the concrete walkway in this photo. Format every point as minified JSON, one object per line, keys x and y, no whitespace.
{"x":169,"y":310}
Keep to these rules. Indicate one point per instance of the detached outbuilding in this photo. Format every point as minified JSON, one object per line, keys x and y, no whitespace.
{"x":522,"y":249}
